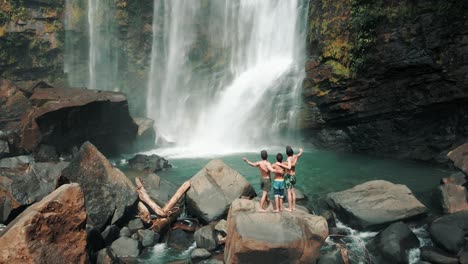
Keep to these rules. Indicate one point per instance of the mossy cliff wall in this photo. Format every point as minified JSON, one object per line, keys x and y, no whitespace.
{"x":387,"y":77}
{"x":33,"y":42}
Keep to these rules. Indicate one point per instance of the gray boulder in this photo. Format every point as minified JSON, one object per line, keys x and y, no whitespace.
{"x":125,"y":247}
{"x":199,"y":254}
{"x":374,"y":204}
{"x":125,"y":232}
{"x":206,"y":237}
{"x":135,"y":225}
{"x":109,"y":194}
{"x":4,"y":148}
{"x":448,"y":231}
{"x":14,"y":162}
{"x":25,"y":184}
{"x":180,"y":239}
{"x":333,"y":257}
{"x":288,"y":237}
{"x":221,"y":226}
{"x":147,"y":237}
{"x":393,"y":244}
{"x":435,"y":255}
{"x":214,"y":188}
{"x":153,"y":163}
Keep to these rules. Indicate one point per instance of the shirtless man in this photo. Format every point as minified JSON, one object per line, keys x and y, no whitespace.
{"x":265,"y":181}
{"x":278,"y":183}
{"x":290,"y":177}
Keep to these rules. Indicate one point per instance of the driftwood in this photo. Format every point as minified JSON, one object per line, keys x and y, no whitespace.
{"x":176,"y":197}
{"x":160,"y":223}
{"x":167,"y":214}
{"x":144,"y":213}
{"x":144,"y":197}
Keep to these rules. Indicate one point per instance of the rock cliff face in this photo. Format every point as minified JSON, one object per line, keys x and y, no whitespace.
{"x":387,"y":77}
{"x":35,"y":37}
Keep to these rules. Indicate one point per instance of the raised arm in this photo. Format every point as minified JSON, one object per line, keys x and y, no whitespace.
{"x":251,"y":163}
{"x":270,"y":168}
{"x":300,"y":152}
{"x":285,"y":166}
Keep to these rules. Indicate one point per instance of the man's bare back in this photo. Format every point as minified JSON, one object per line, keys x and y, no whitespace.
{"x":279,"y":174}
{"x":263,"y":168}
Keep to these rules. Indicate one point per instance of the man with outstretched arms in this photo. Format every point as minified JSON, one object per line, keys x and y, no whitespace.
{"x":265,"y":181}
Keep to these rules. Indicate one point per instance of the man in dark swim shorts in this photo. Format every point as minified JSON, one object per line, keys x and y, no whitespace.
{"x":265,"y":181}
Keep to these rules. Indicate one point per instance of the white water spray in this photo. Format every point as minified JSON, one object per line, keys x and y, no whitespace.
{"x":225,"y":74}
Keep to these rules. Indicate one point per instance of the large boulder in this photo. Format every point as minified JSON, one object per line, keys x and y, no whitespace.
{"x":64,"y":118}
{"x":256,"y":237}
{"x":375,"y":203}
{"x":206,"y":237}
{"x":448,"y":231}
{"x":459,"y":157}
{"x":214,"y":188}
{"x":438,"y":256}
{"x":125,"y":247}
{"x":453,"y":198}
{"x":25,"y":184}
{"x":393,"y":244}
{"x":109,"y":194}
{"x":153,"y":163}
{"x":50,"y":231}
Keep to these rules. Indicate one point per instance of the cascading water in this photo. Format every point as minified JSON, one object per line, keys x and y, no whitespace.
{"x":226,"y":74}
{"x":91,"y":57}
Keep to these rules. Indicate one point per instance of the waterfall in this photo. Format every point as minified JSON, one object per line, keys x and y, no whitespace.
{"x":91,"y":57}
{"x":226,"y":74}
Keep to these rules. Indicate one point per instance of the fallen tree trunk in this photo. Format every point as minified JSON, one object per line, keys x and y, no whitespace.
{"x":161,"y":223}
{"x":144,"y":197}
{"x":144,"y":213}
{"x":176,"y":197}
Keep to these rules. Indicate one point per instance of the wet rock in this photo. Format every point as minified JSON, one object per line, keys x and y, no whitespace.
{"x":147,"y":237}
{"x":50,"y":230}
{"x":213,"y":189}
{"x":393,"y":243}
{"x":333,"y":257}
{"x":25,"y":184}
{"x":453,"y":198}
{"x":459,"y":157}
{"x":146,"y":136}
{"x":103,"y":257}
{"x":448,"y":231}
{"x":206,"y":237}
{"x":300,"y":196}
{"x":4,"y":148}
{"x":463,"y":254}
{"x":125,"y":247}
{"x":110,"y":234}
{"x":135,"y":225}
{"x":375,"y":203}
{"x":153,"y":163}
{"x":14,"y":162}
{"x":46,"y":153}
{"x":256,"y":237}
{"x":125,"y":232}
{"x":180,"y":239}
{"x":221,"y":226}
{"x":13,"y":105}
{"x":327,"y":214}
{"x":64,"y":118}
{"x":435,"y":255}
{"x":109,"y":194}
{"x":199,"y":254}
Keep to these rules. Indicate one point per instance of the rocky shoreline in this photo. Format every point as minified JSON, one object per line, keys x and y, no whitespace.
{"x":61,"y":198}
